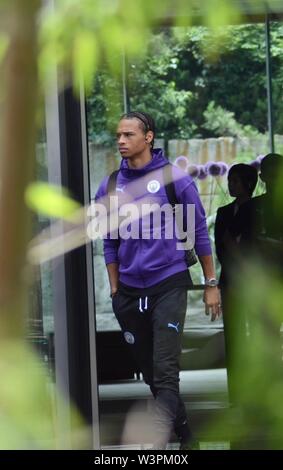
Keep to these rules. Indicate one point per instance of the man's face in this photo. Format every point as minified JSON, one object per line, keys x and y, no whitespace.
{"x":131,"y":139}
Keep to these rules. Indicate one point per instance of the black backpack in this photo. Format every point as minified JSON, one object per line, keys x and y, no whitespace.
{"x":190,"y":254}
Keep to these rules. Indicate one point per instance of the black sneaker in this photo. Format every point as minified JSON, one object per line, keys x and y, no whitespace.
{"x":189,"y":445}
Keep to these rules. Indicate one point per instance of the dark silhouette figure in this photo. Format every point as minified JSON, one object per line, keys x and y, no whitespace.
{"x":259,"y":229}
{"x":242,"y":180}
{"x":260,"y":221}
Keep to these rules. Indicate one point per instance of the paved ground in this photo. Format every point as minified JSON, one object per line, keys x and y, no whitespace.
{"x":126,"y":413}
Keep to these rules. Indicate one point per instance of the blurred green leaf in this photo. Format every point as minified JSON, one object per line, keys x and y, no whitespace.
{"x":28,"y":404}
{"x":3,"y":45}
{"x":50,"y":200}
{"x":85,"y":58}
{"x":220,"y":12}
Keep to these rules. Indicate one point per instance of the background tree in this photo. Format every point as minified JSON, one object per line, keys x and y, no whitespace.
{"x":197,"y":85}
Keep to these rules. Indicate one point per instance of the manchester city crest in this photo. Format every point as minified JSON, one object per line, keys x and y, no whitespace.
{"x":153,"y":186}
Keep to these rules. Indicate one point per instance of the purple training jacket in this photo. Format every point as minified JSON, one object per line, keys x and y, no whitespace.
{"x":145,"y":261}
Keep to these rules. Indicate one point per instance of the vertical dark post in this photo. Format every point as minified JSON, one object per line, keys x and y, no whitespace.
{"x":79,"y":317}
{"x":126,"y":98}
{"x":269,"y":84}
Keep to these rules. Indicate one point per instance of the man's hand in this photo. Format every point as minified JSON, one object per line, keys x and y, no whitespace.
{"x":212,"y":300}
{"x":113,"y":292}
{"x":113,"y":274}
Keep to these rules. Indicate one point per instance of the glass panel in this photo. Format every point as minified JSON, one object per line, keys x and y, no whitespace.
{"x":40,"y":321}
{"x":104,"y":107}
{"x":41,"y":325}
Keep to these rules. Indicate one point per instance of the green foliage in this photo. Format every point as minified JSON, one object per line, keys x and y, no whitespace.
{"x":3,"y":45}
{"x":104,"y":105}
{"x":155,"y":90}
{"x":51,"y":201}
{"x":83,"y":35}
{"x":221,"y":122}
{"x":197,"y":83}
{"x":28,"y":409}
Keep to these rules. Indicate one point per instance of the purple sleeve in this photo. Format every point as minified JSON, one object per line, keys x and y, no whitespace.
{"x":110,"y":246}
{"x":187,"y":193}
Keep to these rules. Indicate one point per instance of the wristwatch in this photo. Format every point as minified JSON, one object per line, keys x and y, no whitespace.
{"x":212,"y":282}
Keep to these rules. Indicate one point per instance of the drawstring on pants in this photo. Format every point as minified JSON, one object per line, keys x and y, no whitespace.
{"x":141,"y":307}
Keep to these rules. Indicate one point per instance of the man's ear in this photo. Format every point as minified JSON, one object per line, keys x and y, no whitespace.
{"x":149,"y":136}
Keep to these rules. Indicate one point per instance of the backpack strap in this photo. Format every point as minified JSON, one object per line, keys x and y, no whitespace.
{"x":190,"y":255}
{"x":169,"y":184}
{"x":111,"y":184}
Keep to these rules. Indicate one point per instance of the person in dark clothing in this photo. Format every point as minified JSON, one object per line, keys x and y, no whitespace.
{"x":260,"y":227}
{"x":148,"y":275}
{"x":264,"y":213}
{"x":259,"y":221}
{"x":242,"y":180}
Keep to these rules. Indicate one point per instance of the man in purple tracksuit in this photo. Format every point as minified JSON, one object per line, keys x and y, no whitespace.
{"x":149,"y":276}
